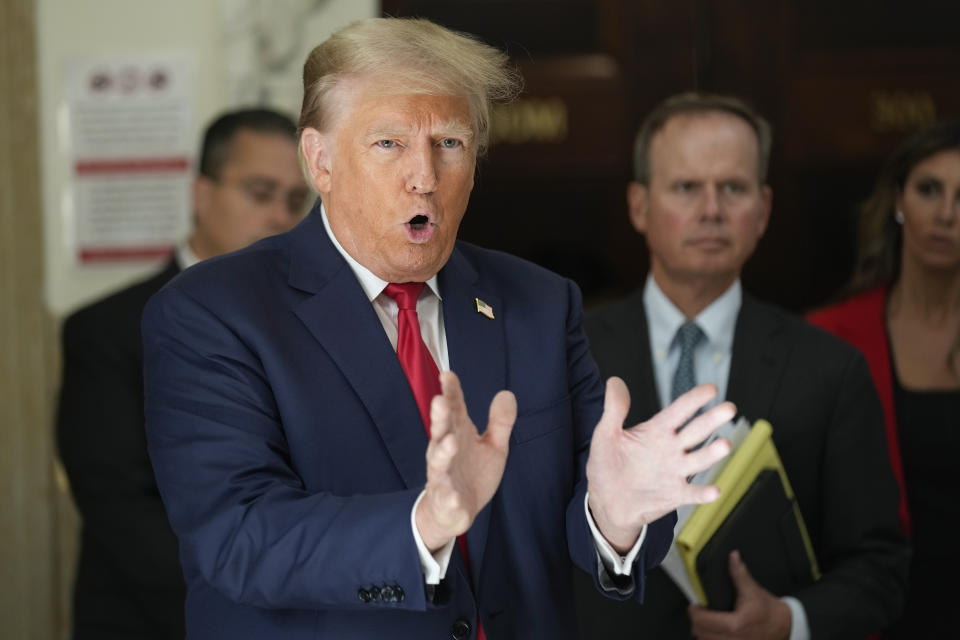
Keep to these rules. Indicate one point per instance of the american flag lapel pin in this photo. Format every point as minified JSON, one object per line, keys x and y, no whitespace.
{"x":484,"y":308}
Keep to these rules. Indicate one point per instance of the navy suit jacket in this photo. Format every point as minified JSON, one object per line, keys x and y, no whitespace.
{"x":289,"y":450}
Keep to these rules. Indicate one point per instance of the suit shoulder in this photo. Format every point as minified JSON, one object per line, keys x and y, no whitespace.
{"x":807,"y":339}
{"x":611,"y":322}
{"x":116,"y":311}
{"x":504,"y":267}
{"x":231,"y":273}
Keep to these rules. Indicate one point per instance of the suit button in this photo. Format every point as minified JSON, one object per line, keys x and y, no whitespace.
{"x":387,"y":594}
{"x":375,"y":593}
{"x":363,"y":594}
{"x":460,"y":630}
{"x":398,"y":591}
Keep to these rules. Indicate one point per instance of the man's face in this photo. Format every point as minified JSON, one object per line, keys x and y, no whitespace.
{"x":395,"y":173}
{"x":704,"y":209}
{"x":259,"y":192}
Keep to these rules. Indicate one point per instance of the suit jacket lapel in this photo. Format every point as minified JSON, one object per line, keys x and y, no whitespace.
{"x":645,"y":384}
{"x":338,"y":310}
{"x":622,"y":345}
{"x":343,"y":321}
{"x":477,"y":348}
{"x":759,"y":356}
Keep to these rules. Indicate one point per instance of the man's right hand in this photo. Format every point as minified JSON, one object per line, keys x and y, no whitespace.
{"x":464,"y":468}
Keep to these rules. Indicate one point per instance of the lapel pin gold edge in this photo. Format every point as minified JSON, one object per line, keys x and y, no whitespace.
{"x":484,"y":308}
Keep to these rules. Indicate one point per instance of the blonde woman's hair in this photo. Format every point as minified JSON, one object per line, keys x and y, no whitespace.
{"x":417,"y":56}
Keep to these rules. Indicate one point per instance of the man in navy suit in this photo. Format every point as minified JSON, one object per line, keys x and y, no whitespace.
{"x":315,"y":489}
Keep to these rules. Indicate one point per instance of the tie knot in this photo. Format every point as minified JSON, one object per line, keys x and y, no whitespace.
{"x":405,"y":293}
{"x":688,"y":335}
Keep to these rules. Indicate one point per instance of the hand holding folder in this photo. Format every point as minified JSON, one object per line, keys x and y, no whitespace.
{"x":756,"y":514}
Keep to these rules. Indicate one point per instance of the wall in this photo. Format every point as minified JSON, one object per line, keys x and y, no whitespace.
{"x":27,"y":556}
{"x":68,"y":29}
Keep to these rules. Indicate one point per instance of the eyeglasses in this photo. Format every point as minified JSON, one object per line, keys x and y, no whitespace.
{"x":265,"y":192}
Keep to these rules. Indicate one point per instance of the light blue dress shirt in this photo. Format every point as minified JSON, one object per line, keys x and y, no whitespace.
{"x":711,"y":364}
{"x":712,"y":354}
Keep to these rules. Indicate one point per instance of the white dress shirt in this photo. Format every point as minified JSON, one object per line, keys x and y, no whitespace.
{"x":712,"y":357}
{"x":430,"y":316}
{"x":185,"y":256}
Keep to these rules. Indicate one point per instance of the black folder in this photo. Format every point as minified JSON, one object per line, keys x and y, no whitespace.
{"x":764,"y":527}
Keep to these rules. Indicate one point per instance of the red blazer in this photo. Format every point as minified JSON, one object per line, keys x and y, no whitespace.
{"x":860,"y":321}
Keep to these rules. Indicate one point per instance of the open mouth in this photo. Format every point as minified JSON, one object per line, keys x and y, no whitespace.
{"x":419,"y":223}
{"x":419,"y":228}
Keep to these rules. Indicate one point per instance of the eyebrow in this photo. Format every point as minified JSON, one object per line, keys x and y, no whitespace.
{"x":447,"y":129}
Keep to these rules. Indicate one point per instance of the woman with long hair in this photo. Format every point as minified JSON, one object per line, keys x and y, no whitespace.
{"x":903,"y":312}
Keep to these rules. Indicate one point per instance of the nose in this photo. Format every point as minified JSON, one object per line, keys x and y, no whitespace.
{"x":711,"y":203}
{"x":949,"y":213}
{"x":421,"y":172}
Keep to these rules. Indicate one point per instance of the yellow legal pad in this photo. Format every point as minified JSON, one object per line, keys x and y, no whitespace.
{"x":757,"y":514}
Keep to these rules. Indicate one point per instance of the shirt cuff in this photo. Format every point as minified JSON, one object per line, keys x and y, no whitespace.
{"x":612,"y":561}
{"x":799,"y":628}
{"x":434,"y":565}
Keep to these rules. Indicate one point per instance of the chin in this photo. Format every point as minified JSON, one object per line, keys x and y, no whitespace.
{"x":427,"y":259}
{"x":417,"y":271}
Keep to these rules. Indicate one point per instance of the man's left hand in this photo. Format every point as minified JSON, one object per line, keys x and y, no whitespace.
{"x":758,"y":613}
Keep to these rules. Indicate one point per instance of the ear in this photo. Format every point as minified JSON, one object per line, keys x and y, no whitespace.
{"x":638,"y":204}
{"x":766,"y":196}
{"x":315,"y":149}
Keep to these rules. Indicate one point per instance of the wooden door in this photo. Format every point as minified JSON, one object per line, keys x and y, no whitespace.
{"x":841,"y":83}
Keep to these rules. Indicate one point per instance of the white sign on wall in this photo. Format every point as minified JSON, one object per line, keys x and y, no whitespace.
{"x":129,"y":123}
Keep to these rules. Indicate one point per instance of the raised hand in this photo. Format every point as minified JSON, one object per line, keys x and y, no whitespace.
{"x":639,"y":474}
{"x":464,"y":468}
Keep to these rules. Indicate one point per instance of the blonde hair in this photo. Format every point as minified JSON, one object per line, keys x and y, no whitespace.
{"x":421,"y":57}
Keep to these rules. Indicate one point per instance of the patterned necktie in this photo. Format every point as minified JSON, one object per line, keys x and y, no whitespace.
{"x":421,"y":371}
{"x":684,"y":378}
{"x":415,"y":358}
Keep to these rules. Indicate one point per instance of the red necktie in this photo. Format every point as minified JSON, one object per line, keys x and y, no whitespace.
{"x":421,"y":371}
{"x":415,"y":358}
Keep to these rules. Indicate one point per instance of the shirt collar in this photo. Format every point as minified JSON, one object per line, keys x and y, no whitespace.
{"x":371,"y":284}
{"x":718,"y":320}
{"x":185,"y":256}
